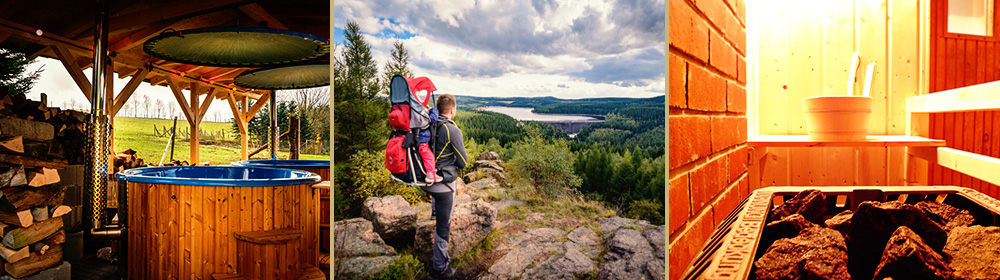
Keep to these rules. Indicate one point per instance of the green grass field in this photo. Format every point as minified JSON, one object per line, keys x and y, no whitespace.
{"x":138,"y":134}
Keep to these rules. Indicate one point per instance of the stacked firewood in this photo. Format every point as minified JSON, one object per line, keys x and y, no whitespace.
{"x":126,"y":160}
{"x":30,"y":195}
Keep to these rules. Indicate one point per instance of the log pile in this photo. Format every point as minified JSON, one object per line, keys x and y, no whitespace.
{"x":127,"y":159}
{"x":35,"y":143}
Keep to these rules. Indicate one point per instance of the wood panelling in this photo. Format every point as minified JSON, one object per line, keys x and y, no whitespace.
{"x":187,"y":232}
{"x":805,"y":49}
{"x":959,"y":61}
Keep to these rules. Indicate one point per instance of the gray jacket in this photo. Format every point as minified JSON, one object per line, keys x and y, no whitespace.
{"x":451,"y":155}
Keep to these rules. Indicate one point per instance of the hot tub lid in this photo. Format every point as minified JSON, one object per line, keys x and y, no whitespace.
{"x":293,"y":164}
{"x":222,"y":176}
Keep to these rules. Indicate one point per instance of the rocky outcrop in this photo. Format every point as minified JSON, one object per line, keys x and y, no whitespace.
{"x":811,"y":204}
{"x":488,"y":165}
{"x":974,"y":252}
{"x":816,"y":253}
{"x":360,"y":252}
{"x":470,"y":223}
{"x":507,"y":203}
{"x":547,"y":253}
{"x":488,"y":156}
{"x":635,"y":250}
{"x":906,"y":256}
{"x":391,"y":215}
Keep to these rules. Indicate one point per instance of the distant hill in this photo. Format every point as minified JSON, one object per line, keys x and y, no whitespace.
{"x":550,"y":104}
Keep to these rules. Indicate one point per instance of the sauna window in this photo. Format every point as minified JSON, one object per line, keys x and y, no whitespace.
{"x":973,"y":17}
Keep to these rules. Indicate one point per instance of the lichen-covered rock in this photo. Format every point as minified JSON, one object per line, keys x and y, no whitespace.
{"x":842,"y":223}
{"x":609,"y":225}
{"x":470,"y":223}
{"x":488,"y":164}
{"x":630,"y":256}
{"x":816,"y":253}
{"x":483,"y":184}
{"x":360,"y":252}
{"x":975,"y":252}
{"x":946,"y":215}
{"x":507,"y":203}
{"x":906,"y":256}
{"x":874,"y":222}
{"x":488,"y":156}
{"x":524,"y":250}
{"x":390,"y":215}
{"x":656,"y":238}
{"x":811,"y":204}
{"x":569,"y":263}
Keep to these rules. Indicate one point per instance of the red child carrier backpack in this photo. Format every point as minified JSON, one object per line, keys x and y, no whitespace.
{"x":408,"y":117}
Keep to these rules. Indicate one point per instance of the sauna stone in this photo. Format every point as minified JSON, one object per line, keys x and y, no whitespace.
{"x":906,"y":256}
{"x":787,"y":227}
{"x":842,"y":223}
{"x":811,"y":204}
{"x":946,"y":215}
{"x":816,"y":253}
{"x":874,"y":223}
{"x":974,"y":252}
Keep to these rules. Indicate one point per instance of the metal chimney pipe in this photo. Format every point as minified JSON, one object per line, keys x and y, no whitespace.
{"x":97,"y":141}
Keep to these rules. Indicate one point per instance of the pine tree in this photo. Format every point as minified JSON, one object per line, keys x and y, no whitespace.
{"x":398,"y":65}
{"x":13,"y":76}
{"x":360,"y":121}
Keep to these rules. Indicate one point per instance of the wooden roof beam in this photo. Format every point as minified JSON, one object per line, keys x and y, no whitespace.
{"x":256,"y":106}
{"x":203,"y":108}
{"x":69,"y":61}
{"x":4,"y":35}
{"x":159,"y":14}
{"x":138,"y":37}
{"x":126,"y":92}
{"x":257,"y":13}
{"x":237,"y":113}
{"x":185,"y":108}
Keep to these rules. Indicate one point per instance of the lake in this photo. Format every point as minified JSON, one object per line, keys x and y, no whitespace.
{"x":525,"y":114}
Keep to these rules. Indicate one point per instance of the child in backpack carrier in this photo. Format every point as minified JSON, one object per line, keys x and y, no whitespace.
{"x":426,"y":154}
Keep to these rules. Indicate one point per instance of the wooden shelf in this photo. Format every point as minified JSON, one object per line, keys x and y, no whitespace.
{"x":872,"y":141}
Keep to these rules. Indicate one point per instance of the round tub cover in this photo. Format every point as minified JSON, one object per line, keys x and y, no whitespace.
{"x":287,"y":77}
{"x":237,"y":47}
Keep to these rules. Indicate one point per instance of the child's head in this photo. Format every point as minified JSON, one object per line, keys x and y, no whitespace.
{"x":446,"y":105}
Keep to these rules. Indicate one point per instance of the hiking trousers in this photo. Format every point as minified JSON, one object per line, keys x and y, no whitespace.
{"x":443,"y":202}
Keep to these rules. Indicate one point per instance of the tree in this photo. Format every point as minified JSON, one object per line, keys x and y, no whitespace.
{"x":159,"y":108}
{"x":397,"y":65}
{"x":145,"y":105}
{"x":548,"y":166}
{"x":360,"y":123}
{"x":14,"y":79}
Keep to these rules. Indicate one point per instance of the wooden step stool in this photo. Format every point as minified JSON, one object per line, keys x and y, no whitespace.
{"x":268,"y":254}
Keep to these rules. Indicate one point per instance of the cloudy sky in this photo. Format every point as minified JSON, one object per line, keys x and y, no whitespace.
{"x":566,"y":49}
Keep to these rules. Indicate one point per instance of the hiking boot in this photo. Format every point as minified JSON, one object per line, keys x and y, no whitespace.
{"x":446,"y":274}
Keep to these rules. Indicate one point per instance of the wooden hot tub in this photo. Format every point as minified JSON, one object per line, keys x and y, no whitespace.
{"x":182,"y":220}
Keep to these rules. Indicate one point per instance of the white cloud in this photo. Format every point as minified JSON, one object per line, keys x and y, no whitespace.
{"x":523,"y":48}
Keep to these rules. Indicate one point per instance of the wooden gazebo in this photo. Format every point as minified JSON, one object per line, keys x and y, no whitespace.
{"x":64,"y":30}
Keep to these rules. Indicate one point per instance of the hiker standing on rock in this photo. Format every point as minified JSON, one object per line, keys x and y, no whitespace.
{"x":451,"y":156}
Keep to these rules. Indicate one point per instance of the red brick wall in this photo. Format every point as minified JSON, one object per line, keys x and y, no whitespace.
{"x":708,"y":124}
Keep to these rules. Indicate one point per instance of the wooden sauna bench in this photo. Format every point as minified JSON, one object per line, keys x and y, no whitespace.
{"x":182,"y":220}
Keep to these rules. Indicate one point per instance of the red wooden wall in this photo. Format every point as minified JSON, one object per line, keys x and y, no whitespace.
{"x":959,"y":60}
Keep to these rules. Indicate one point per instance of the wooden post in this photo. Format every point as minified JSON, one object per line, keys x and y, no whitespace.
{"x":195,"y":123}
{"x":109,"y":108}
{"x":243,"y":132}
{"x":293,"y":140}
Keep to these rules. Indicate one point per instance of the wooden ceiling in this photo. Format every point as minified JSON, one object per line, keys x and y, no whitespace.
{"x":67,"y":34}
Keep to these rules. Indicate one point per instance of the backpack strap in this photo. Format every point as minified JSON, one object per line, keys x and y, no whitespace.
{"x":441,"y":152}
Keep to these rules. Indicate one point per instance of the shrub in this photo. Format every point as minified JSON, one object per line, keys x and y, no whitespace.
{"x":405,"y":267}
{"x":372,"y":179}
{"x":547,"y":166}
{"x":648,"y":210}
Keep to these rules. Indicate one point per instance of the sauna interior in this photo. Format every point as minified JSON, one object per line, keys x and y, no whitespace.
{"x":739,"y":70}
